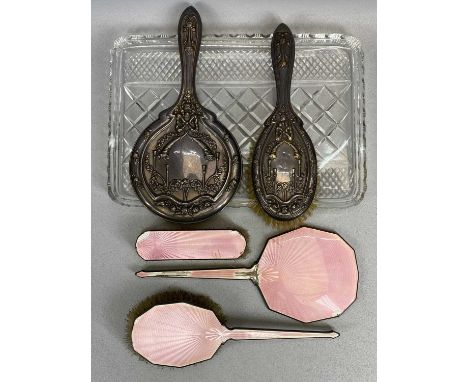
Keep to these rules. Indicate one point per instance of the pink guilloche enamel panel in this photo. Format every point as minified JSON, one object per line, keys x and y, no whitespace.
{"x":176,"y":334}
{"x":190,"y":245}
{"x":308,"y":274}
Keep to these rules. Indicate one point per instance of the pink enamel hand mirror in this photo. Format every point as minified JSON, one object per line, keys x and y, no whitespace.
{"x":181,"y":334}
{"x":306,"y":274}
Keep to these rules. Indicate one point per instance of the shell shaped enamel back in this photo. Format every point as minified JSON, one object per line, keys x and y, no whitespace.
{"x":177,"y":334}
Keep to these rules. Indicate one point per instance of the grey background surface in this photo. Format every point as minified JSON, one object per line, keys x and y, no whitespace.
{"x":115,"y":289}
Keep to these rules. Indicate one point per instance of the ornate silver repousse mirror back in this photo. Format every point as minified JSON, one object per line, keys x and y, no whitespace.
{"x":284,"y":165}
{"x":186,"y":165}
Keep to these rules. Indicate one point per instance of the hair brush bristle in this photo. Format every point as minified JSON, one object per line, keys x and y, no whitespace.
{"x":169,"y":296}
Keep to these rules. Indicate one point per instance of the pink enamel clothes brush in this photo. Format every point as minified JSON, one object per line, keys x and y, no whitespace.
{"x":181,"y":334}
{"x":306,"y":274}
{"x":190,"y":245}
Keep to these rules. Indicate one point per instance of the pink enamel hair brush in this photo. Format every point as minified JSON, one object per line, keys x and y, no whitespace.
{"x":188,"y":331}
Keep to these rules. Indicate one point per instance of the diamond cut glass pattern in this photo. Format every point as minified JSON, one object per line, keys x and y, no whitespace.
{"x":235,"y":81}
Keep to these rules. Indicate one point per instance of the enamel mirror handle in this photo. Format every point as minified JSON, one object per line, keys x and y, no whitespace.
{"x":254,"y":334}
{"x":228,"y":273}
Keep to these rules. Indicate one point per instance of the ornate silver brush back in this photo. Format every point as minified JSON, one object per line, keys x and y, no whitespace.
{"x":284,"y":166}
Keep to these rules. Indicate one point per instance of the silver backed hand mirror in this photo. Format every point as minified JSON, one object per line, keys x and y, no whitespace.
{"x":186,"y":165}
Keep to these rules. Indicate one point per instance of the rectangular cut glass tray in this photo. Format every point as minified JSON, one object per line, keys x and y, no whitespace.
{"x":235,"y":81}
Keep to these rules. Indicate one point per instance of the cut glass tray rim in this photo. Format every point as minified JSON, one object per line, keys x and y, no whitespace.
{"x":342,"y":182}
